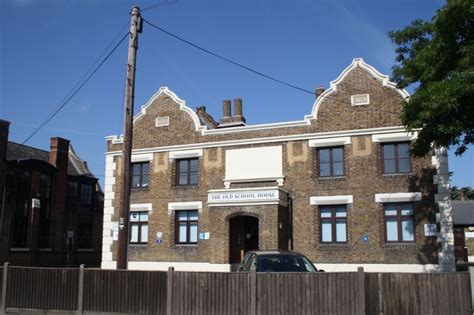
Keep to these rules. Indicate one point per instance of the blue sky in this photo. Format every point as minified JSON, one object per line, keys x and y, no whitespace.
{"x":46,"y":47}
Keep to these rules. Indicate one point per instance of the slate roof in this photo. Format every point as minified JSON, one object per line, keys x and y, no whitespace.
{"x":76,"y":166}
{"x":463,"y":212}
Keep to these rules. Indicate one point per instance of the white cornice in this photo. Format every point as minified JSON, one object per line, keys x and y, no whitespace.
{"x":275,"y":139}
{"x":184,"y":154}
{"x":330,"y":200}
{"x":395,"y":137}
{"x":356,"y":62}
{"x":329,"y":142}
{"x":398,"y":197}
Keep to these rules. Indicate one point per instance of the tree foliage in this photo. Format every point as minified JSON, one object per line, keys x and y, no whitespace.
{"x":437,"y":58}
{"x":466,"y":193}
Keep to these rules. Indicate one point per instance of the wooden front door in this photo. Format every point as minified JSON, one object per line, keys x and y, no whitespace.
{"x":243,"y":236}
{"x":459,"y":244}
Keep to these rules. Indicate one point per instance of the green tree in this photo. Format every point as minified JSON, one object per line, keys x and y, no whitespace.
{"x":437,"y":58}
{"x":459,"y":193}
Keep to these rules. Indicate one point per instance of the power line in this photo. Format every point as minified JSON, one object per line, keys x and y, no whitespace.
{"x":227,"y":59}
{"x":255,"y":71}
{"x":88,"y":75}
{"x":159,"y":5}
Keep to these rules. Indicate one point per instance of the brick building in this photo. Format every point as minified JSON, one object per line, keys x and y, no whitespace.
{"x":51,"y":207}
{"x":338,"y":186}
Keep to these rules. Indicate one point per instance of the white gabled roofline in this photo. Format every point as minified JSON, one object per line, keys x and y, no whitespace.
{"x":176,"y":99}
{"x":203,"y":130}
{"x":356,"y":62}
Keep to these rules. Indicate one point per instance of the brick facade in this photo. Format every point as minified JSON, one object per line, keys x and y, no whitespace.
{"x":51,"y":214}
{"x":290,"y":220}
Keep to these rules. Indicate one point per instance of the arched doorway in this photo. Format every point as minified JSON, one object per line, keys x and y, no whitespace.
{"x":243,"y":236}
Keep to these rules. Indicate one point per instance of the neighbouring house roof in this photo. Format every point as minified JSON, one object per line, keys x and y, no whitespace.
{"x":18,"y":152}
{"x":463,"y":212}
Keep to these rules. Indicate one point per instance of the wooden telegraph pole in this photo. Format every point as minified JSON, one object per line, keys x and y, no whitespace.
{"x":122,"y":249}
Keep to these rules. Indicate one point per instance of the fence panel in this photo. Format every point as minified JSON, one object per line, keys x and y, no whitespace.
{"x":421,"y":293}
{"x":141,"y":292}
{"x":42,"y":288}
{"x":211,"y":293}
{"x":307,"y":293}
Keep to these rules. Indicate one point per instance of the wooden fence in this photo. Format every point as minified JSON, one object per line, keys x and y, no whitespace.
{"x":95,"y":291}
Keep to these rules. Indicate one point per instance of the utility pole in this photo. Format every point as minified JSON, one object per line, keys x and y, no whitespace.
{"x":122,"y":248}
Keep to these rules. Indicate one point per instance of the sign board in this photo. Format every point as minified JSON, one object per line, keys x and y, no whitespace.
{"x":365,"y":238}
{"x":115,"y":231}
{"x":431,"y":230}
{"x":469,"y":234}
{"x":243,"y":196}
{"x":36,"y":203}
{"x":203,"y":235}
{"x":159,"y":237}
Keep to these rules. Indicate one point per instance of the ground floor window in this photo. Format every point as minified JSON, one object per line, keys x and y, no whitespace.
{"x":333,"y":224}
{"x":186,"y":229}
{"x":139,"y":227}
{"x":399,"y":225}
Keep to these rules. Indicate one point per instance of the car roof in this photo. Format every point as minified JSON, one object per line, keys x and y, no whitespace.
{"x":273,"y":252}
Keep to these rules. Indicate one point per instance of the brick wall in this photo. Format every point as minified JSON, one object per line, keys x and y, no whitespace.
{"x":363,"y":178}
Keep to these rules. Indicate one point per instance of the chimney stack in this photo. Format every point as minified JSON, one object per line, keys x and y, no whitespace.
{"x":227,"y":119}
{"x":59,"y":157}
{"x":227,"y":109}
{"x":59,"y":153}
{"x":319,"y":90}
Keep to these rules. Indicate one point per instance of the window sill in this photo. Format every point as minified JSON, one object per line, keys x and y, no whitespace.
{"x":19,"y":249}
{"x":85,"y":250}
{"x":333,"y":247}
{"x":397,"y":175}
{"x":46,"y":249}
{"x":332,"y":179}
{"x":186,"y":245}
{"x":400,"y":246}
{"x":138,"y":245}
{"x":186,"y":186}
{"x":137,"y":189}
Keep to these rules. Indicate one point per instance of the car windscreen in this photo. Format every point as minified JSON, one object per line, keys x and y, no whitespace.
{"x":284,"y":263}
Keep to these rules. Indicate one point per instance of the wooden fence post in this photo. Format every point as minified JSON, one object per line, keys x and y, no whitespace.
{"x":3,"y":310}
{"x":471,"y":278}
{"x":361,"y":286}
{"x":253,"y":292}
{"x":169,"y":291}
{"x":80,"y":292}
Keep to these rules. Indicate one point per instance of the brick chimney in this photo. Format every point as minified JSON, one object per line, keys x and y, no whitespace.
{"x":59,"y":157}
{"x":237,"y":119}
{"x":227,"y":113}
{"x":238,"y":116}
{"x":205,"y":118}
{"x":319,"y":90}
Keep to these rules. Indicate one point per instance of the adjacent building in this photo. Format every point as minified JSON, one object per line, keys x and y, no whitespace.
{"x":338,"y":186}
{"x":51,"y":206}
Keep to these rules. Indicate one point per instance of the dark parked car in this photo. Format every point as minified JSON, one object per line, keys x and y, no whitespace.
{"x":276,"y":261}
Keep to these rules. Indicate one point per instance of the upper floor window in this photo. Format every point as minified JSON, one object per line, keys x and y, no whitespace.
{"x":396,"y":158}
{"x":86,"y":194}
{"x":140,"y":173}
{"x":187,"y":171}
{"x":330,"y":162}
{"x":19,"y":231}
{"x":72,"y":188}
{"x":186,"y":228}
{"x":399,"y":222}
{"x":333,"y":224}
{"x":139,"y":227}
